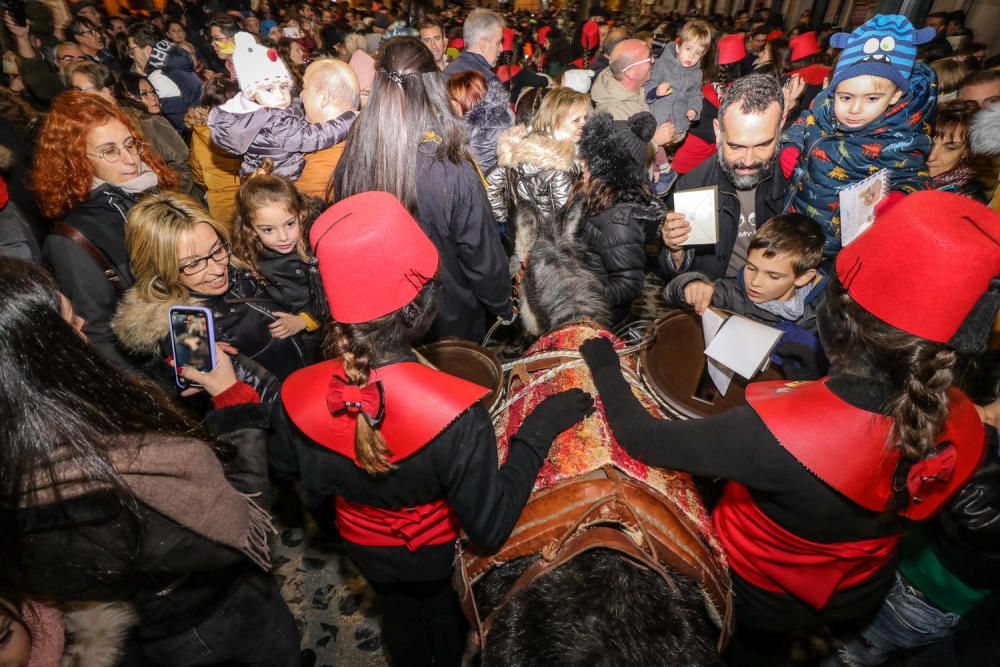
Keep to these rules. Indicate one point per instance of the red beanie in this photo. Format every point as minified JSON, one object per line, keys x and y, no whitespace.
{"x":925,"y":263}
{"x":775,"y":34}
{"x":731,"y":49}
{"x":373,"y":256}
{"x":803,"y":46}
{"x":508,"y":38}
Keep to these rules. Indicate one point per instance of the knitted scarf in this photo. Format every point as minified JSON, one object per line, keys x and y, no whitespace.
{"x":178,"y":477}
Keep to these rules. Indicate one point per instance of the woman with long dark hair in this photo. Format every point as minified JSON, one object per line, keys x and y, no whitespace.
{"x":409,"y":143}
{"x":108,"y":493}
{"x":407,"y":453}
{"x":824,"y":476}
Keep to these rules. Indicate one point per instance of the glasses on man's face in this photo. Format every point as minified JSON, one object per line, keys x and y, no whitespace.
{"x":219,"y":39}
{"x":649,"y":60}
{"x":86,"y":32}
{"x":199,"y":264}
{"x":112,"y":154}
{"x":69,"y":59}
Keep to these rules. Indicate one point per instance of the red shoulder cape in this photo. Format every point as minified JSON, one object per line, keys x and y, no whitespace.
{"x":420,"y":403}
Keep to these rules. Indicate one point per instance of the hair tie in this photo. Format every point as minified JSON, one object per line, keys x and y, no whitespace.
{"x":395,"y":77}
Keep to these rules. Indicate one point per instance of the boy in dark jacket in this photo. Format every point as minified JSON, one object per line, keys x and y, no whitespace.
{"x":261,"y":124}
{"x":781,"y":285}
{"x":874,"y":115}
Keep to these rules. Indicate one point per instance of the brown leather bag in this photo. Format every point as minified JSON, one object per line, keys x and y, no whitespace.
{"x":110,"y":272}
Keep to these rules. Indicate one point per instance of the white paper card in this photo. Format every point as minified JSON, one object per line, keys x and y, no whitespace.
{"x":721,"y":376}
{"x":743,"y":345}
{"x":857,"y":205}
{"x":701,"y":209}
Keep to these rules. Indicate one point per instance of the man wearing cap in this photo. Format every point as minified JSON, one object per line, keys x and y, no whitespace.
{"x":483,"y":34}
{"x":825,"y":476}
{"x":751,"y":186}
{"x":405,"y":453}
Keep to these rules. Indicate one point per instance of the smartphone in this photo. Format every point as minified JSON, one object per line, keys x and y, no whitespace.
{"x":17,"y":11}
{"x":192,"y":340}
{"x":292,"y":32}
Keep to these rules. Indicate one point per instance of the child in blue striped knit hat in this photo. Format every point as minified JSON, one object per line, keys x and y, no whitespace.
{"x":875,"y":114}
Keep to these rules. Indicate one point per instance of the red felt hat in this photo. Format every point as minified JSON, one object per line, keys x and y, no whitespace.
{"x":508,"y":39}
{"x":590,"y":36}
{"x":373,"y":256}
{"x":543,"y":32}
{"x":925,"y":263}
{"x":732,"y":49}
{"x":803,"y":46}
{"x":775,"y":34}
{"x":458,"y":44}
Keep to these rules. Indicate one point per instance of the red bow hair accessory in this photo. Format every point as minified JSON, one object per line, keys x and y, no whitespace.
{"x":935,"y":468}
{"x":342,"y":397}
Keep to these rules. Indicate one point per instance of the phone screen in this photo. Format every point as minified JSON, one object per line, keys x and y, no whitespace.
{"x":190,"y":330}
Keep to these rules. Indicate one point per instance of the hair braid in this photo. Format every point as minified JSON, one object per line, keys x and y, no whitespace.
{"x":355,"y":350}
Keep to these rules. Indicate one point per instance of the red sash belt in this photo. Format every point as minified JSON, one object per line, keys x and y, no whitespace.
{"x":412,"y":527}
{"x":771,"y":558}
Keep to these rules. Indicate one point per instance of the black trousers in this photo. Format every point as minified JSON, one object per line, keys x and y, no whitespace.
{"x":422,"y":623}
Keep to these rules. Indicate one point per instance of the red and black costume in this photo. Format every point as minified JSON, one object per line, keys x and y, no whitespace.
{"x":805,"y":516}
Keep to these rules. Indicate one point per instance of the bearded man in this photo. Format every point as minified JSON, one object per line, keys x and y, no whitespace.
{"x":751,"y":187}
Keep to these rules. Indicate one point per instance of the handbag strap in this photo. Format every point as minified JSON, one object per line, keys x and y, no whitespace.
{"x":76,"y":236}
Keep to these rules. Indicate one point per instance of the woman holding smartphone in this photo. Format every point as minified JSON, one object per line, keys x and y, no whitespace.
{"x":181,"y":257}
{"x":109,"y":493}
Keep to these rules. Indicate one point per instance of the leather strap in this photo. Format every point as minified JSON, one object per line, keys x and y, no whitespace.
{"x":77,"y":237}
{"x":604,"y":509}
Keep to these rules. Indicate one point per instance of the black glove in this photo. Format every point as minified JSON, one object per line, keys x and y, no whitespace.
{"x":800,"y":362}
{"x":260,"y":380}
{"x":599,"y":354}
{"x":556,"y":414}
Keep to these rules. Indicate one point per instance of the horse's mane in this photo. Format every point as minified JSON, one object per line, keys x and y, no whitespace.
{"x":557,"y":287}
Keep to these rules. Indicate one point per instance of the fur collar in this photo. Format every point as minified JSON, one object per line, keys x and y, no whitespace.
{"x":985,"y":135}
{"x":196,"y":116}
{"x":97,"y":633}
{"x":491,"y":111}
{"x":140,"y":325}
{"x":520,"y":147}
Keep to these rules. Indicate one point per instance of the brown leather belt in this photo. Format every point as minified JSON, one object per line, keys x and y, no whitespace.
{"x":607,"y":510}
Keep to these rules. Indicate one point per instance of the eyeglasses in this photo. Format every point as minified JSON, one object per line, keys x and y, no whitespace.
{"x":650,"y":60}
{"x":220,"y":38}
{"x":85,"y":32}
{"x":112,"y":154}
{"x":199,"y":264}
{"x":70,"y":59}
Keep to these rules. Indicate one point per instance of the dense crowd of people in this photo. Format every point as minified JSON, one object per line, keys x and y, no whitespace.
{"x":331,"y":185}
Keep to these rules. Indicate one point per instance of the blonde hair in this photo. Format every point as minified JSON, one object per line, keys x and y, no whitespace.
{"x":355,"y":42}
{"x":557,"y":104}
{"x":697,"y":31}
{"x":155,"y":225}
{"x":951,"y":72}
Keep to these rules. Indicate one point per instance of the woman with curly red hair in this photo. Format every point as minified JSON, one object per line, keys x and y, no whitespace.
{"x":91,"y":166}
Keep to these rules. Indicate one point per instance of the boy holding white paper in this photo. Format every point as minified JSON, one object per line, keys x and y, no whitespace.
{"x":781,"y":285}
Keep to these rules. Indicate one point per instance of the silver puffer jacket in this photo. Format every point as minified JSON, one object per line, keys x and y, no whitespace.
{"x":531,"y":168}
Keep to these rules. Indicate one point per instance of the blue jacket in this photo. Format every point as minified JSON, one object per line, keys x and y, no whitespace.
{"x":171,"y":71}
{"x":833,"y":157}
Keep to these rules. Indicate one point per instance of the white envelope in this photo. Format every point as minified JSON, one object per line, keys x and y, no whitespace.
{"x":743,"y":345}
{"x":721,"y":376}
{"x":701,"y":208}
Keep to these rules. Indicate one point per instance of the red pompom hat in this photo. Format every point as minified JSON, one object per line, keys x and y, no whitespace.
{"x":803,"y":46}
{"x":373,"y":256}
{"x":930,"y":266}
{"x":732,"y":49}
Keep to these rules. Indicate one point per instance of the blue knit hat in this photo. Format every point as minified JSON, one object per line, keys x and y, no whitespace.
{"x":265,"y":27}
{"x":885,"y":46}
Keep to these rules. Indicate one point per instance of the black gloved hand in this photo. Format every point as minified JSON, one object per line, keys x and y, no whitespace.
{"x":599,"y":353}
{"x":800,"y":362}
{"x":260,"y":380}
{"x":556,"y":414}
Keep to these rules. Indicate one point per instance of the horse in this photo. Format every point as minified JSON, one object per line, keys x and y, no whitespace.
{"x":611,"y":562}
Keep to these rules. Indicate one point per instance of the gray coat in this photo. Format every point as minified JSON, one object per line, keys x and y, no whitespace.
{"x":484,"y":123}
{"x":686,"y":84}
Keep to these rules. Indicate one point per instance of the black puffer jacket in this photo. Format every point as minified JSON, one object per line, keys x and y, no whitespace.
{"x":484,"y":123}
{"x":102,"y":220}
{"x":615,"y":241}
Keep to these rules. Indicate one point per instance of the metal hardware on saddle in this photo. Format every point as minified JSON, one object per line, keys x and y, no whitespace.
{"x":602,"y":510}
